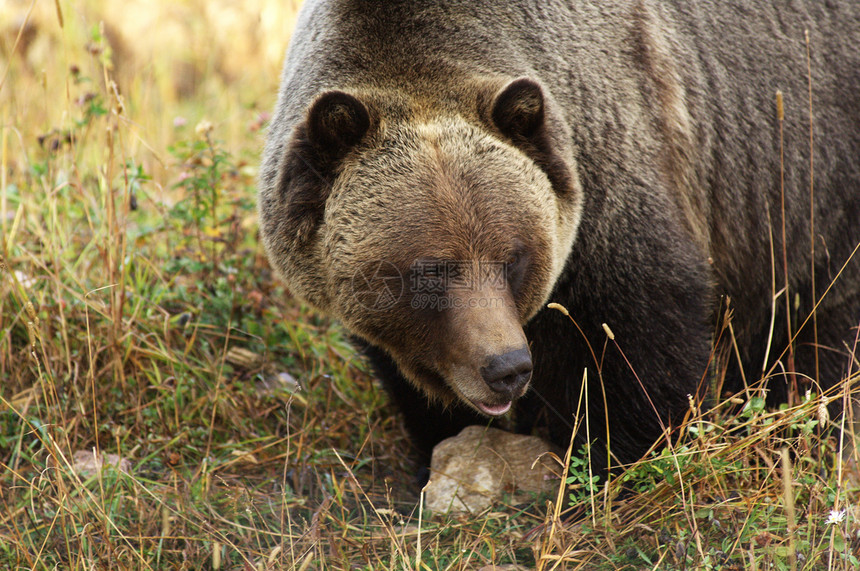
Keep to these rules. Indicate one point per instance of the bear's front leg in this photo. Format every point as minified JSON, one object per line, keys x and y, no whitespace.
{"x":427,"y":422}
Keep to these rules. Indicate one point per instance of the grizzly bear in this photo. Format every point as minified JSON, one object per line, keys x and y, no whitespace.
{"x":437,"y":171}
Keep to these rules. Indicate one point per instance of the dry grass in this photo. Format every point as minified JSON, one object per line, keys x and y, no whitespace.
{"x":140,"y":325}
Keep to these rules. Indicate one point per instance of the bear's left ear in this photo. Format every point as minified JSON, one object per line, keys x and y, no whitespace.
{"x":518,"y":109}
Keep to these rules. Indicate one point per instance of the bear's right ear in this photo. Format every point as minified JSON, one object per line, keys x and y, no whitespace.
{"x":336,"y":121}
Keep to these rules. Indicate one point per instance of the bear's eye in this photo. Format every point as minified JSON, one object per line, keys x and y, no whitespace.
{"x":515,"y":267}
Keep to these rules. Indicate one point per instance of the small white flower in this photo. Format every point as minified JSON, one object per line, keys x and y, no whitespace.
{"x":836,"y":516}
{"x":203,"y":128}
{"x":823,"y":415}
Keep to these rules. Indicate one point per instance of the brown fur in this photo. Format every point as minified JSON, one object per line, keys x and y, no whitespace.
{"x":619,"y":158}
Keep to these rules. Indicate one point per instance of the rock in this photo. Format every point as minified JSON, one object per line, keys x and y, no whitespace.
{"x":242,"y":357}
{"x":88,"y":463}
{"x":276,"y":384}
{"x":478,"y":467}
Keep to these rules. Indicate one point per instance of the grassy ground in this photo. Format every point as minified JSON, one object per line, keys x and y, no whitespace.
{"x":164,"y":403}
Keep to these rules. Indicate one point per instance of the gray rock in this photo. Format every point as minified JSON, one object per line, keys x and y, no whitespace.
{"x":480,"y":466}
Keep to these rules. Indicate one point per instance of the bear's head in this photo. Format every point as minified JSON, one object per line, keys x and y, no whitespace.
{"x":432,"y":230}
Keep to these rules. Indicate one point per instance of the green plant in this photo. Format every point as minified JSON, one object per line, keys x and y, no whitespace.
{"x":582,"y":484}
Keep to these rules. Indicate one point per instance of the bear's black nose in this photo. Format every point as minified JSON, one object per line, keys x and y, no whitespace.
{"x":509,"y":372}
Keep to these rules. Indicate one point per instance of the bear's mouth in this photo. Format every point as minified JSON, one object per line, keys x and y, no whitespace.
{"x":493,"y":409}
